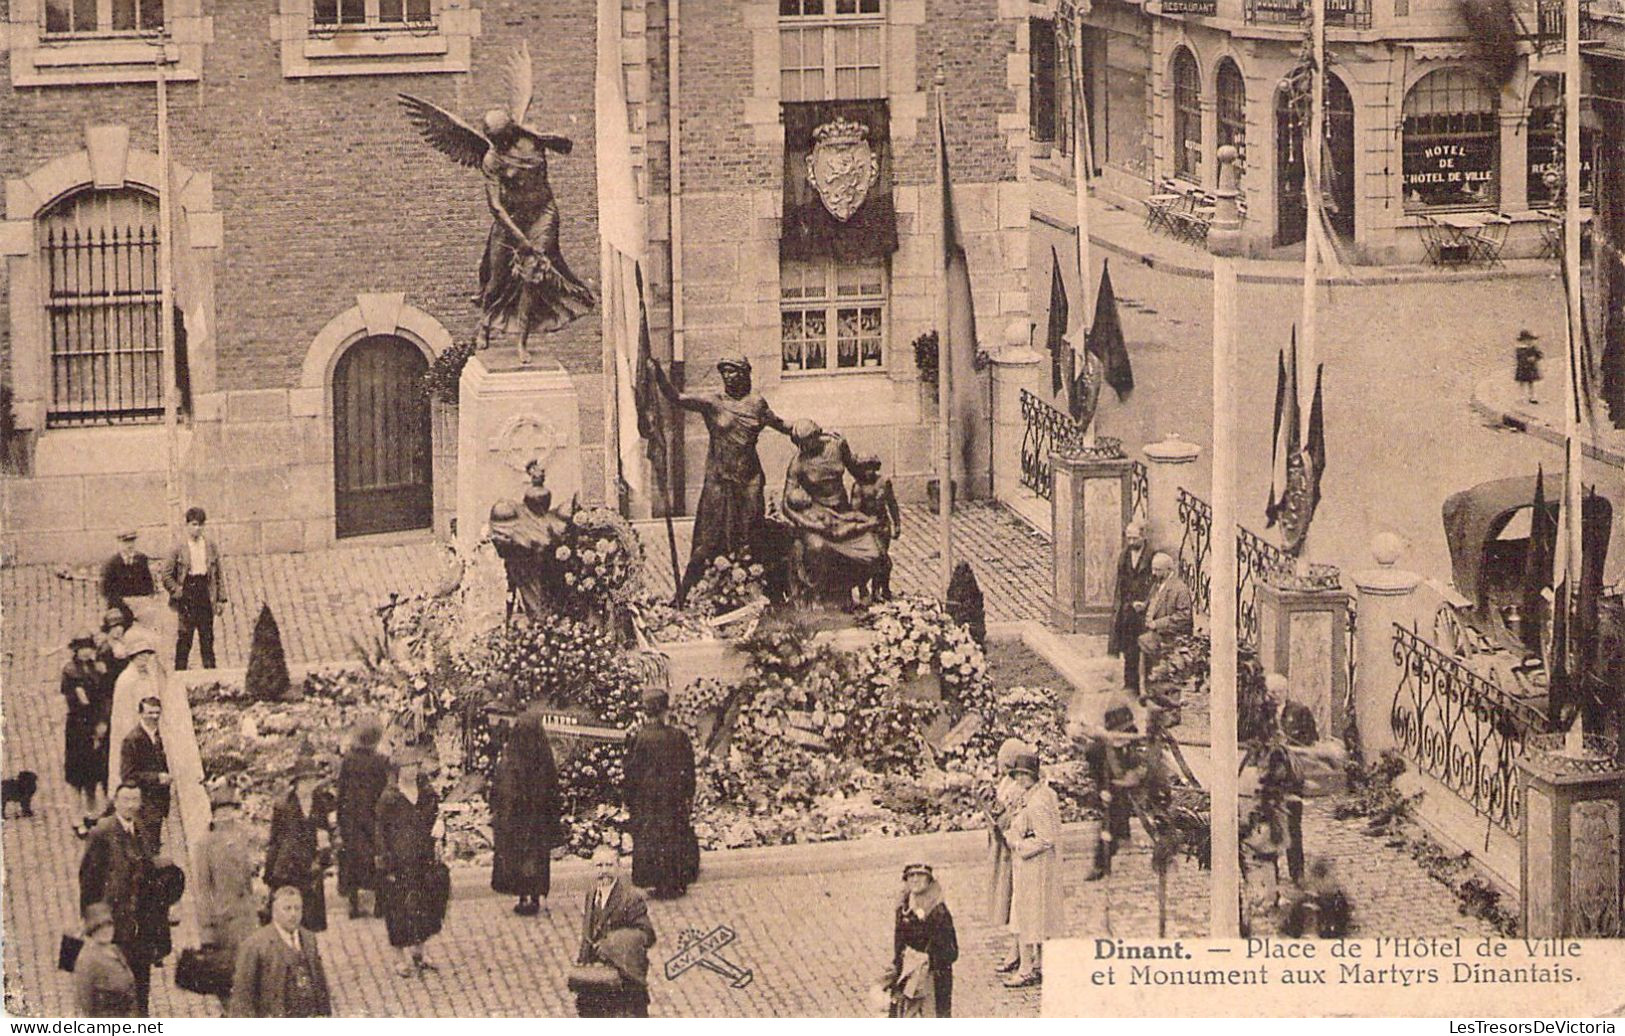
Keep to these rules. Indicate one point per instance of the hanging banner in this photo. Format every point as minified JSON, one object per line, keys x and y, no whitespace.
{"x":838,"y":181}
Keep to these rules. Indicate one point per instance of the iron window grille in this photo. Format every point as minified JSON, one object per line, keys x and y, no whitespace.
{"x":832,"y":317}
{"x":103,"y":301}
{"x":1187,"y":117}
{"x":101,"y":18}
{"x":831,"y":49}
{"x":331,"y":17}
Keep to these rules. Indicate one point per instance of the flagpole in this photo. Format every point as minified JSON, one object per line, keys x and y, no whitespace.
{"x":1080,"y":176}
{"x":1572,"y":506}
{"x":166,"y":289}
{"x":944,"y":352}
{"x":1312,"y":142}
{"x":1224,"y":240}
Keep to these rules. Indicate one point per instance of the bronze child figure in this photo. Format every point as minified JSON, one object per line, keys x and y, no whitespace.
{"x":872,"y":495}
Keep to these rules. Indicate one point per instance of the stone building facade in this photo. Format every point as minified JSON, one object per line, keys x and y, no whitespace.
{"x":324,"y":256}
{"x":1417,"y":125}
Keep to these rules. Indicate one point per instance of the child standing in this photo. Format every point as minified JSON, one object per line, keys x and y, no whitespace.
{"x":1526,"y":371}
{"x":873,"y":496}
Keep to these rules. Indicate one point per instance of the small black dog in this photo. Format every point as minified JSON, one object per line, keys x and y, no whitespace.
{"x":20,"y":789}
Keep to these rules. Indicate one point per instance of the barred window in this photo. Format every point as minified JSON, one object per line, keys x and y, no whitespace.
{"x":336,"y":14}
{"x":831,"y":49}
{"x":832,"y":316}
{"x":1451,"y":141}
{"x":99,"y":253}
{"x":102,"y":17}
{"x":1231,"y":93}
{"x":1546,"y":144}
{"x":1187,"y":116}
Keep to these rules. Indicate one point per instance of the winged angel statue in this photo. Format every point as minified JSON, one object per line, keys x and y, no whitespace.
{"x":524,"y":279}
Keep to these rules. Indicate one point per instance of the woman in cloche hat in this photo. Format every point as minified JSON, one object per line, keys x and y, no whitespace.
{"x":925,"y":947}
{"x":84,"y":743}
{"x":103,"y":986}
{"x":300,"y":825}
{"x":409,"y":870}
{"x":1037,"y":902}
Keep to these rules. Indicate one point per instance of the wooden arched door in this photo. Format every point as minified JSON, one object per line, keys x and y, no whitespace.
{"x":382,"y":463}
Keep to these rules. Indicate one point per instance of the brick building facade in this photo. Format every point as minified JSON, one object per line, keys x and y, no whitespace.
{"x":331,"y":254}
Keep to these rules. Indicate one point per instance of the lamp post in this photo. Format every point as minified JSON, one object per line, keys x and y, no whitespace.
{"x":1224,"y":240}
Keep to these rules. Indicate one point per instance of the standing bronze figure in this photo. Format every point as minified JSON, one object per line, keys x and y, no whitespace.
{"x":731,"y":502}
{"x":523,"y":276}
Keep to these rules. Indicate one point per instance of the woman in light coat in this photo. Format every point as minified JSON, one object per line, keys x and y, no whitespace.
{"x":1002,"y":802}
{"x":1038,"y":900}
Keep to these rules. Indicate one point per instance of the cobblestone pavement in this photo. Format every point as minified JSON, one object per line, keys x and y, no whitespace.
{"x":805,"y":961}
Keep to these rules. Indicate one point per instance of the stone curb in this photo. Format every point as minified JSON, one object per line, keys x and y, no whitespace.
{"x":1292,"y":273}
{"x":1488,"y":404}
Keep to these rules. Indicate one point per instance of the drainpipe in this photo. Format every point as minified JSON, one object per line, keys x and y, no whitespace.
{"x":674,"y":121}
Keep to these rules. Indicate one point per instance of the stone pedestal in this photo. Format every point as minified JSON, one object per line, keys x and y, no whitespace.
{"x":1090,"y":505}
{"x":1168,"y":464}
{"x":1570,"y":876}
{"x":1014,"y":368}
{"x":508,"y":415}
{"x":1385,"y":596}
{"x":1303,"y":635}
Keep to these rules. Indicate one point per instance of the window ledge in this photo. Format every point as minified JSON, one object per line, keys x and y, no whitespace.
{"x":848,"y":372}
{"x":373,"y":49}
{"x":105,"y":450}
{"x":370,"y":44}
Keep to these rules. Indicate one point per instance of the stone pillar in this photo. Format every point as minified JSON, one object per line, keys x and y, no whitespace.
{"x":1015,"y":367}
{"x":1513,"y":190}
{"x":1090,"y":505}
{"x":1303,"y":635}
{"x":509,"y":415}
{"x":1168,"y":464}
{"x":1571,"y":880}
{"x":1384,"y":596}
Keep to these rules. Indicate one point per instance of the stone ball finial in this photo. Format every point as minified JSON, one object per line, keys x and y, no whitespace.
{"x":1227,"y":153}
{"x":1015,"y":334}
{"x":1386,"y":547}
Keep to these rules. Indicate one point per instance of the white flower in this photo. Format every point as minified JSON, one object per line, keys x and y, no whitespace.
{"x":563,"y":553}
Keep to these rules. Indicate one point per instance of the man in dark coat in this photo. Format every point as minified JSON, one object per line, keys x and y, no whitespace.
{"x":143,"y":762}
{"x":279,"y":971}
{"x":363,"y":776}
{"x":525,"y":810}
{"x":114,"y":871}
{"x":1133,"y":589}
{"x":126,"y":574}
{"x":660,"y":797}
{"x":615,"y":920}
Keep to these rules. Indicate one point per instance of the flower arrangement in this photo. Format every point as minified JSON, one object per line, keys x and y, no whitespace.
{"x":731,"y":581}
{"x":441,"y":380}
{"x":918,"y":636}
{"x":925,"y":356}
{"x":601,"y":556}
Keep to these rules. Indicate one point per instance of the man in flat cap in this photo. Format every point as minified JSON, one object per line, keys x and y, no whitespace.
{"x":127,"y":573}
{"x":660,"y":797}
{"x":732,"y":504}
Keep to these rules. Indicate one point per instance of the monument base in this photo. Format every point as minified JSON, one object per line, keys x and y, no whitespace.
{"x":509,"y":415}
{"x":1090,"y":498}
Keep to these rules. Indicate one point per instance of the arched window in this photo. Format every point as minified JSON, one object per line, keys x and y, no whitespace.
{"x":1546,"y":144}
{"x":1232,"y":98}
{"x":1187,"y":116}
{"x":1452,"y":144}
{"x":99,"y":260}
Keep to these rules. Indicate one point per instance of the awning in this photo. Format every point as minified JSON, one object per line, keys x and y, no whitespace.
{"x":1447,"y":50}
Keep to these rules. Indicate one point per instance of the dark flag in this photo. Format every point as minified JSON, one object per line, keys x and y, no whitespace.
{"x":651,"y":418}
{"x":1060,"y":366}
{"x":1284,"y":440}
{"x":958,"y":349}
{"x":1106,"y":338}
{"x":1304,"y":468}
{"x":1537,"y":568}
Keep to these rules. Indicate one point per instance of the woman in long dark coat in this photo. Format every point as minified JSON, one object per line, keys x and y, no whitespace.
{"x":660,"y":797}
{"x":363,"y":776}
{"x":410,"y":875}
{"x":924,"y":948}
{"x":293,"y":853}
{"x":525,"y":809}
{"x":84,"y":747}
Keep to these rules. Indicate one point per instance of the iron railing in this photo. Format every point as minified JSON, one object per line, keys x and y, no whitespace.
{"x":1139,"y":496}
{"x":1460,"y":729}
{"x":1196,"y":521}
{"x":1257,"y":559}
{"x":1549,"y":22}
{"x":1047,"y":430}
{"x":102,"y":307}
